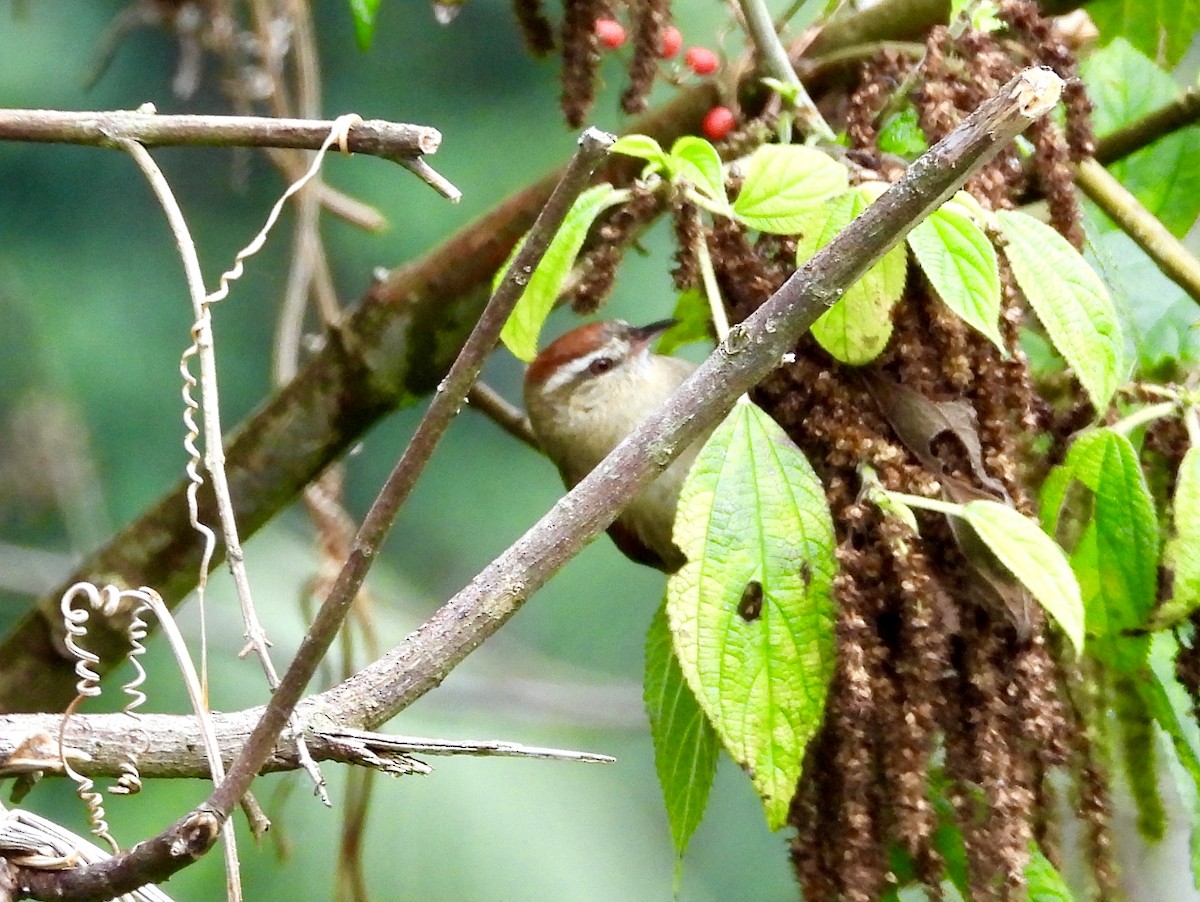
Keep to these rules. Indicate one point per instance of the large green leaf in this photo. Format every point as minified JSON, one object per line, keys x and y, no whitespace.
{"x":1070,"y":300}
{"x":1033,"y":558}
{"x":856,"y":329}
{"x":685,"y":746}
{"x":1162,"y":29}
{"x":751,"y":611}
{"x":1182,"y":554}
{"x":960,"y":262}
{"x":784,"y":181}
{"x":1127,"y":539}
{"x":1116,"y":560}
{"x":1124,"y":86}
{"x":520,"y":333}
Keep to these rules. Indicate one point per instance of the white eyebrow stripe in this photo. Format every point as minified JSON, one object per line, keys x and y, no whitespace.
{"x":572,"y":370}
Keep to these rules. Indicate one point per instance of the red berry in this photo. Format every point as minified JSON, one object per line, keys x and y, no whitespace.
{"x":701,"y":60}
{"x":718,"y":123}
{"x":670,"y":39}
{"x":610,"y":32}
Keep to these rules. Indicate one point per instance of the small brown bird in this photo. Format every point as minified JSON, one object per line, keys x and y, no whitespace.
{"x":588,"y":390}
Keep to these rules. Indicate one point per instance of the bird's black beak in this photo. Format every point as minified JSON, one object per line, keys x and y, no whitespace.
{"x":641,"y":336}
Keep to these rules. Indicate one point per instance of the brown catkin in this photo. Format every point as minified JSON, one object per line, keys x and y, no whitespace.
{"x":598,"y":265}
{"x":922,"y":658}
{"x":744,"y":280}
{"x":650,"y":17}
{"x":685,"y":220}
{"x":1047,"y":48}
{"x":581,"y":57}
{"x":536,"y":30}
{"x":1052,"y":163}
{"x":930,"y":655}
{"x":1187,"y":664}
{"x":863,"y":865}
{"x":814,"y":850}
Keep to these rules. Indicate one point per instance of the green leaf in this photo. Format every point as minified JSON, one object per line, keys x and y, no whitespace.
{"x":1083,"y":463}
{"x":363,"y":12}
{"x":685,"y":745}
{"x":1182,"y":554}
{"x":520,"y":333}
{"x":947,"y":837}
{"x":691,"y":322}
{"x":1139,"y":751}
{"x":901,"y":134}
{"x":1171,"y":707}
{"x":643,"y":147}
{"x":1117,"y":566}
{"x":960,"y":262}
{"x":1158,"y":28}
{"x":1127,"y":542}
{"x":787,"y":92}
{"x":1045,"y":883}
{"x":784,"y":181}
{"x":1070,"y":300}
{"x":751,"y":611}
{"x":1034,"y":559}
{"x":856,"y":329}
{"x":1124,"y":86}
{"x":695,"y":160}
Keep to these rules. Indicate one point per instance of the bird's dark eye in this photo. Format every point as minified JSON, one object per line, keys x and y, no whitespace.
{"x":600,"y":365}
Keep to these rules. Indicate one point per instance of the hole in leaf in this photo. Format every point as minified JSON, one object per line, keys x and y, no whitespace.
{"x":750,"y":607}
{"x":806,"y":573}
{"x":1166,"y":583}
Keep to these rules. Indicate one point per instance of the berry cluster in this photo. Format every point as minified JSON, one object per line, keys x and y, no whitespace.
{"x":719,"y":122}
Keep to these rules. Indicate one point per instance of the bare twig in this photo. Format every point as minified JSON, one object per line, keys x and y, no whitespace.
{"x":432,"y":178}
{"x":97,"y":743}
{"x":495,"y":407}
{"x":1174,"y":260}
{"x":31,"y":840}
{"x":214,"y":462}
{"x":774,"y":60}
{"x":214,"y":452}
{"x":384,"y":743}
{"x":1180,"y":113}
{"x":376,"y":137}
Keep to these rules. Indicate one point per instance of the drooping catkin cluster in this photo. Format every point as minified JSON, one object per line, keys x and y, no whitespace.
{"x":580,"y":57}
{"x":650,"y":17}
{"x":949,"y":690}
{"x":536,"y":29}
{"x":951,"y":702}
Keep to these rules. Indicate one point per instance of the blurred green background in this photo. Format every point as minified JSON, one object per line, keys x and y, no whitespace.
{"x":93,"y":317}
